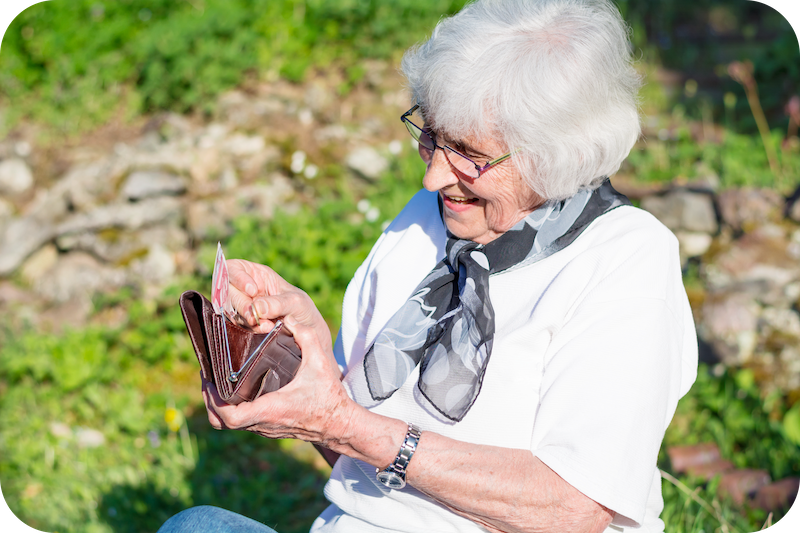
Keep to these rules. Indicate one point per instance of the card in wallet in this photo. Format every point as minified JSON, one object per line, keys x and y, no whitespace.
{"x":242,"y":364}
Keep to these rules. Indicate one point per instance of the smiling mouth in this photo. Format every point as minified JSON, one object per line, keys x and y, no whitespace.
{"x":461,"y":200}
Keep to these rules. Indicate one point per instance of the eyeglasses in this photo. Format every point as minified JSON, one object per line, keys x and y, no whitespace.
{"x":427,"y":145}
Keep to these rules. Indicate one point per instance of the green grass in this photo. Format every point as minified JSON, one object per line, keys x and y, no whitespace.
{"x":138,"y":56}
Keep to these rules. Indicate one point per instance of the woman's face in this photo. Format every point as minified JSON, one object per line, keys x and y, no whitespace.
{"x":480,"y":209}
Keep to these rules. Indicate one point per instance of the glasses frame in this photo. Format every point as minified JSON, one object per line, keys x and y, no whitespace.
{"x":417,"y":133}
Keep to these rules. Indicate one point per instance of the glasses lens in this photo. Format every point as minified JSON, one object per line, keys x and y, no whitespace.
{"x":463,"y":164}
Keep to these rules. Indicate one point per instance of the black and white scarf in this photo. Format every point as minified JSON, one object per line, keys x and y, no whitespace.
{"x":447,"y":326}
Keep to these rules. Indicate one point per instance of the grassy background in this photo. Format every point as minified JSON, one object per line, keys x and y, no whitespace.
{"x":137,"y":382}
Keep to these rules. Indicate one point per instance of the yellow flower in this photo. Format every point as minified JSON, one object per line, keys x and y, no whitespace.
{"x":173,"y":418}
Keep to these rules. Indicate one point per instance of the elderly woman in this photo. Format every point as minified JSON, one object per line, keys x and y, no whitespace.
{"x":514,"y":346}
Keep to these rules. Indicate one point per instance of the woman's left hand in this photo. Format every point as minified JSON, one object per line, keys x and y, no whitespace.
{"x":314,"y":407}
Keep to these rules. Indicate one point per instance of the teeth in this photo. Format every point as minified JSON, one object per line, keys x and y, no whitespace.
{"x":460,"y":199}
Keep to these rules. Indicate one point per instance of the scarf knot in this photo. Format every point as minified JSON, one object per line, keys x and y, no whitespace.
{"x":447,"y":326}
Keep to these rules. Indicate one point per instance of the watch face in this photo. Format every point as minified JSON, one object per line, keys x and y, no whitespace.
{"x":391,"y":479}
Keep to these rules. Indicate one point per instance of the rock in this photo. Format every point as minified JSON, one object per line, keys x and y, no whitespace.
{"x":77,"y":275}
{"x":693,"y":244}
{"x":155,"y":269}
{"x":120,"y":247}
{"x":334,"y":132}
{"x":16,"y":177}
{"x":240,"y":145}
{"x":39,"y":263}
{"x":783,"y":322}
{"x":684,"y":457}
{"x":149,"y":184}
{"x":125,"y":216}
{"x":730,"y":324}
{"x":261,"y":199}
{"x":367,"y":162}
{"x":245,"y":112}
{"x":759,"y":264}
{"x":208,"y":219}
{"x":680,"y":209}
{"x":6,"y":214}
{"x":777,"y":496}
{"x":22,"y":237}
{"x":740,"y":485}
{"x":89,"y":438}
{"x":319,"y":98}
{"x":794,"y":211}
{"x":747,"y":208}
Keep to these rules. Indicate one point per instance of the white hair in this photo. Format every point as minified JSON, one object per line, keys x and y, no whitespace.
{"x":551,"y":78}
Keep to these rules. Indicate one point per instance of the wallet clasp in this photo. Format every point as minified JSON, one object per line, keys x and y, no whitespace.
{"x":233,"y":377}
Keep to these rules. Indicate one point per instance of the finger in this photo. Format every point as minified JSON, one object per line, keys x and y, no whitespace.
{"x":242,"y":304}
{"x":241,"y":277}
{"x":295,"y":306}
{"x":305,"y":337}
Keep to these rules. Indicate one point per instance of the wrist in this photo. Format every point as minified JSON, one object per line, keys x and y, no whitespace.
{"x":369,"y":437}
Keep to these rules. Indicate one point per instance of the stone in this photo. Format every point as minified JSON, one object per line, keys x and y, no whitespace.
{"x":794,"y":211}
{"x":684,"y":457}
{"x":39,"y":263}
{"x":708,"y":471}
{"x":261,"y":199}
{"x":120,"y":247}
{"x":747,"y":208}
{"x":240,"y":145}
{"x":155,"y":269}
{"x":16,"y":177}
{"x":367,"y":162}
{"x":209,"y":219}
{"x":759,"y":263}
{"x":6,"y":214}
{"x":77,"y":275}
{"x":89,"y":438}
{"x":783,"y":321}
{"x":124,"y":215}
{"x":87,"y":185}
{"x":680,"y":209}
{"x":149,"y":184}
{"x":740,"y":485}
{"x":245,"y":112}
{"x":777,"y":496}
{"x":730,"y":324}
{"x":22,"y":237}
{"x":693,"y":244}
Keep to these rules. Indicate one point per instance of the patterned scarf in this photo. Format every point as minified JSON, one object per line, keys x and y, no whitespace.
{"x":447,"y":326}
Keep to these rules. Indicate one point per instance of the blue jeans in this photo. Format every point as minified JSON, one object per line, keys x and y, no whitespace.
{"x":208,"y":519}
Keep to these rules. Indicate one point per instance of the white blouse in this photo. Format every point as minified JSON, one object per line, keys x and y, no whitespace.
{"x":594,"y":346}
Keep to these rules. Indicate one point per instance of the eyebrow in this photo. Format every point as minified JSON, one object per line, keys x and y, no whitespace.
{"x":463,"y":146}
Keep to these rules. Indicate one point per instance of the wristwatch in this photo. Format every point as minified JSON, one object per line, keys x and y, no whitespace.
{"x":394,"y":476}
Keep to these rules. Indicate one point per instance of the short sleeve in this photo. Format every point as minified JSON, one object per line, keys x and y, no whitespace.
{"x":613,"y":375}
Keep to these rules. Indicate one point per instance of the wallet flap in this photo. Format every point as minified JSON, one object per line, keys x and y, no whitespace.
{"x":194,"y":311}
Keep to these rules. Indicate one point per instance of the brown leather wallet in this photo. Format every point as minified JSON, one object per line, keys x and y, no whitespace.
{"x":242,"y":364}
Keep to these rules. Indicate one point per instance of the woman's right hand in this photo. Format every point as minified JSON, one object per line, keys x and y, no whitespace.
{"x":257,"y":288}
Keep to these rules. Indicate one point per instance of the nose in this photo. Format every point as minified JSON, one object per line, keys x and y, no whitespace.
{"x":439,"y":173}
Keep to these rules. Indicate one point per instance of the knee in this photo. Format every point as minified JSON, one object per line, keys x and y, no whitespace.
{"x":209,"y":519}
{"x":195,"y":520}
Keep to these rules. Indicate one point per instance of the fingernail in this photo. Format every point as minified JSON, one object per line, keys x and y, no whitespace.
{"x":261,"y":308}
{"x":250,"y":289}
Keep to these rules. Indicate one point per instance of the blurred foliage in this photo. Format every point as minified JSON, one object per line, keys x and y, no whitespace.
{"x":752,"y":430}
{"x":699,"y":38}
{"x":134,"y":56}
